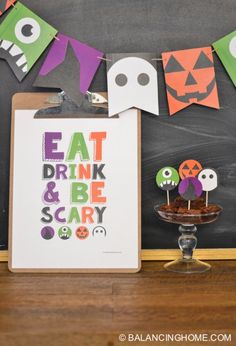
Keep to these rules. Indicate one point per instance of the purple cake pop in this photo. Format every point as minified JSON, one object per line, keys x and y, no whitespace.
{"x":190,"y":188}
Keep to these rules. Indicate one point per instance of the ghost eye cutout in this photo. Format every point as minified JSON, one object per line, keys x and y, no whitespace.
{"x":27,"y":30}
{"x":203,"y":176}
{"x":143,"y":79}
{"x":211,"y":176}
{"x":121,"y":79}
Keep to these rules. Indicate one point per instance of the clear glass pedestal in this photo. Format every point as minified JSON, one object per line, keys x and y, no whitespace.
{"x":187,"y":240}
{"x":187,"y":243}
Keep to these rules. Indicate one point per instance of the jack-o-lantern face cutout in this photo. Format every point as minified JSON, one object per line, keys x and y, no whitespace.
{"x":82,"y":233}
{"x":189,"y":168}
{"x":190,"y":78}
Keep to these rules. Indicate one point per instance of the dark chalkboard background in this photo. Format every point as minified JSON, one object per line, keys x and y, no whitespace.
{"x":196,"y":132}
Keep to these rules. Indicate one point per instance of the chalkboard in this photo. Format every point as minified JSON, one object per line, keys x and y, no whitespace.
{"x":196,"y":132}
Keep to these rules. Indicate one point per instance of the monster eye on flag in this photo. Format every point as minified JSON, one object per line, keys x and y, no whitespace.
{"x":226,"y":50}
{"x":23,"y":38}
{"x":70,"y":65}
{"x":5,"y":4}
{"x":190,"y":78}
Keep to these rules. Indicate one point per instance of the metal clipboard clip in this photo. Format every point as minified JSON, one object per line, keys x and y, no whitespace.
{"x":93,"y":103}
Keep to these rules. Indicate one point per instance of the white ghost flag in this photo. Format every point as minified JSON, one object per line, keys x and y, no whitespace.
{"x":132,"y":82}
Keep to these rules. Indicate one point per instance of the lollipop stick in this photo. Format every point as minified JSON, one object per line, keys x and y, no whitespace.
{"x":189,"y":205}
{"x":207,"y":198}
{"x":168,"y":197}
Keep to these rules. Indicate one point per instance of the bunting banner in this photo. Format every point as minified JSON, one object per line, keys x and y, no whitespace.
{"x":70,"y":65}
{"x":23,"y":38}
{"x":5,"y":5}
{"x":132,"y":82}
{"x":226,"y":50}
{"x":190,"y":78}
{"x":132,"y":78}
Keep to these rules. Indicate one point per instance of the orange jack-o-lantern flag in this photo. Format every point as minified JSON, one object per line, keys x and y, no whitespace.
{"x":190,"y":78}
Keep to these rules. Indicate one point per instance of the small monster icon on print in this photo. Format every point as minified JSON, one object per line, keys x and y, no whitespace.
{"x":64,"y":232}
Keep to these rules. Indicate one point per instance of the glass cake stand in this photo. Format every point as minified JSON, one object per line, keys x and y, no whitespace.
{"x":187,"y":240}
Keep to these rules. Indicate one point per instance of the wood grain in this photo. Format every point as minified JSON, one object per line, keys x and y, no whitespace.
{"x":84,"y":309}
{"x":167,"y":255}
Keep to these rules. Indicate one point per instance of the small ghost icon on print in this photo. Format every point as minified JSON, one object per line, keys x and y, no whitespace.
{"x":99,"y":232}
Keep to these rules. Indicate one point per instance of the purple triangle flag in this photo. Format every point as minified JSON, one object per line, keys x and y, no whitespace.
{"x":70,"y":65}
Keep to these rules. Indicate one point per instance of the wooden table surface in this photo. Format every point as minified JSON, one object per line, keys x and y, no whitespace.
{"x":93,"y":309}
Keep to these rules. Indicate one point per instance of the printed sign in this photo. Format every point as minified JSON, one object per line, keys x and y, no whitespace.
{"x":79,"y":183}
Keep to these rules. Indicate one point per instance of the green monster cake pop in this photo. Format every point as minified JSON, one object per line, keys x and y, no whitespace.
{"x":167,"y":179}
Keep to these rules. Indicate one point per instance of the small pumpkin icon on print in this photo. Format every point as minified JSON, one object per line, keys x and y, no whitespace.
{"x":99,"y":232}
{"x":82,"y":232}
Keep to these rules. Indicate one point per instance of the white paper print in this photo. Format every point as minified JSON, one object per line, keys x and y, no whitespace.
{"x":54,"y":226}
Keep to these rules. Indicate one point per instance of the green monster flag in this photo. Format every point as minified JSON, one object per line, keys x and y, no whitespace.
{"x":226,"y":50}
{"x":23,"y":38}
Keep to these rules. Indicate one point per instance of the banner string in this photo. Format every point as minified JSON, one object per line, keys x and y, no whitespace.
{"x":102,"y":58}
{"x":154,"y":59}
{"x":99,"y":57}
{"x":110,"y":60}
{"x":12,"y":4}
{"x":160,"y":59}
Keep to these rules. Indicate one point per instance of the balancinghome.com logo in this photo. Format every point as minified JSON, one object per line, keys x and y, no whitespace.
{"x":178,"y":337}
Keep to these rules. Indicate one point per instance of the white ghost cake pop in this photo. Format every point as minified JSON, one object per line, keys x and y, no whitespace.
{"x":209,"y":179}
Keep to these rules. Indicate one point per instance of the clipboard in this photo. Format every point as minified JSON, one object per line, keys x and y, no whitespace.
{"x":39,"y":100}
{"x":124,"y":232}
